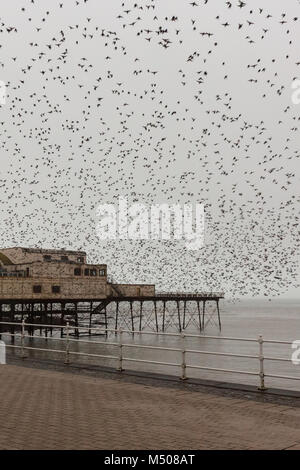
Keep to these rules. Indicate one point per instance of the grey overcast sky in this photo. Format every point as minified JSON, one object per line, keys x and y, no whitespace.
{"x":169,"y":101}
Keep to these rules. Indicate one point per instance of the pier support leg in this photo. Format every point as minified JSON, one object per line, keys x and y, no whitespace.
{"x":219,"y":318}
{"x":117,"y":317}
{"x":105,"y":320}
{"x":51,"y":318}
{"x":76,"y":320}
{"x":30,"y":319}
{"x":12,"y":319}
{"x":178,"y":311}
{"x":41,"y":319}
{"x":90,"y":320}
{"x":155,"y":313}
{"x":131,"y":315}
{"x":45,"y":320}
{"x":141,"y":315}
{"x":164,"y":315}
{"x":203,"y":315}
{"x":27,"y":317}
{"x":199,"y":315}
{"x":184,"y":310}
{"x":62,"y":307}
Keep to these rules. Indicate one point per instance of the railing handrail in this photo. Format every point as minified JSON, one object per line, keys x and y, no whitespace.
{"x":190,"y":294}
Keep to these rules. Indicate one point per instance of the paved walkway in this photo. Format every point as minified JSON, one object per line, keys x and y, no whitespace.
{"x":54,"y":410}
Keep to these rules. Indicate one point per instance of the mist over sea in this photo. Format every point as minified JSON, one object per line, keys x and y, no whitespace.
{"x":274,"y":319}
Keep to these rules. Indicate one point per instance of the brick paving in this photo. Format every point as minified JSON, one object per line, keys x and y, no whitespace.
{"x":42,"y":409}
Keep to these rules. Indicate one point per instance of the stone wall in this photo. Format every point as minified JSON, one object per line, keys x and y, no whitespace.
{"x":70,"y":288}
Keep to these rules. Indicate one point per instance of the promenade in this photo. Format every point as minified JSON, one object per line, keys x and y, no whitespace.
{"x":46,"y":409}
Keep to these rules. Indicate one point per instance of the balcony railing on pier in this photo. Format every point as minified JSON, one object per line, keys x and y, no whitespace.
{"x":187,"y":295}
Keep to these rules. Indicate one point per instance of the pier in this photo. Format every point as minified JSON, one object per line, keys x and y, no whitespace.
{"x":53,"y":287}
{"x":80,"y":312}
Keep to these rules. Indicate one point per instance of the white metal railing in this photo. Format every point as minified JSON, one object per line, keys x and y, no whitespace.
{"x":189,"y":294}
{"x":120,"y":345}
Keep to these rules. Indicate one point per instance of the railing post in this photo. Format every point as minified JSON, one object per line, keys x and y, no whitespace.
{"x":120,"y":368}
{"x":23,"y":355}
{"x":261,"y":364}
{"x":67,"y":357}
{"x":183,"y":362}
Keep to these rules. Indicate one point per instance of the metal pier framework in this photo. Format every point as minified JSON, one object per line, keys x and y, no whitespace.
{"x":135,"y":313}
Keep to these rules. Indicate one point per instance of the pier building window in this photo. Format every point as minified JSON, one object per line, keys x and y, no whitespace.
{"x":80,"y":259}
{"x":47,"y":257}
{"x":64,"y":258}
{"x":55,"y":289}
{"x":86,"y":272}
{"x":101,"y":272}
{"x":77,"y":272}
{"x":37,"y":289}
{"x":93,"y":272}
